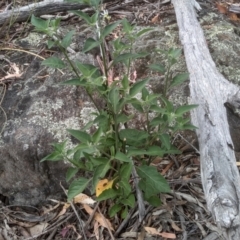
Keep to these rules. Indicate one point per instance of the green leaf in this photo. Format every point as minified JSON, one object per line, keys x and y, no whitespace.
{"x":71,"y":173}
{"x":137,"y":87}
{"x":189,"y":127}
{"x":124,"y":213}
{"x":145,"y":94}
{"x":125,"y":82}
{"x":99,"y":161}
{"x":57,"y":154}
{"x":97,"y":135}
{"x":83,"y":15}
{"x":77,"y":163}
{"x":121,"y":104}
{"x":133,"y":136}
{"x":127,"y":28}
{"x":67,"y":39}
{"x":183,"y":109}
{"x":126,"y":56}
{"x":87,"y":126}
{"x":157,"y":121}
{"x":125,"y":186}
{"x":87,"y":70}
{"x":122,"y":118}
{"x":94,"y":2}
{"x":138,"y":106}
{"x":90,"y":44}
{"x":122,"y":157}
{"x":136,"y":152}
{"x":50,"y":44}
{"x":59,"y":146}
{"x":54,"y":62}
{"x":84,"y":148}
{"x":130,"y":201}
{"x":103,"y":121}
{"x":152,"y":182}
{"x":157,"y":67}
{"x":145,"y":30}
{"x":155,"y":201}
{"x":168,"y":105}
{"x":94,"y":18}
{"x":80,"y":135}
{"x":173,"y":150}
{"x":107,"y":194}
{"x":55,"y":23}
{"x":109,"y":28}
{"x":100,"y":172}
{"x":178,"y":79}
{"x":54,"y":156}
{"x":175,"y":53}
{"x":166,"y":142}
{"x":39,"y":23}
{"x":153,"y":99}
{"x":75,"y":82}
{"x":155,"y":151}
{"x":172,"y":61}
{"x":76,"y":187}
{"x":114,"y":210}
{"x":114,"y":98}
{"x":157,"y":109}
{"x":125,"y":171}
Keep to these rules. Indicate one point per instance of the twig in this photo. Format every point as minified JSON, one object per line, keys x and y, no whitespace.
{"x":1,"y":100}
{"x":91,"y":216}
{"x":141,"y":205}
{"x":50,"y":229}
{"x":106,"y":223}
{"x":77,"y":215}
{"x":124,"y":222}
{"x":188,"y":143}
{"x":50,"y":237}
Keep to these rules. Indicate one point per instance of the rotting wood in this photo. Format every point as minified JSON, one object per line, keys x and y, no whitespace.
{"x":209,"y":89}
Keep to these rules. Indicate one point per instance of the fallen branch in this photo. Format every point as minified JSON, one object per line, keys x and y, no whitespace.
{"x":209,"y":89}
{"x":46,"y":7}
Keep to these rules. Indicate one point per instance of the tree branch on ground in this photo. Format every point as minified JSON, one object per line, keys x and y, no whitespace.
{"x":209,"y":89}
{"x":41,"y":8}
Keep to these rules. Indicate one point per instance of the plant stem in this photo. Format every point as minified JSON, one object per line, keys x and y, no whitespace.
{"x":78,"y":76}
{"x":166,"y":80}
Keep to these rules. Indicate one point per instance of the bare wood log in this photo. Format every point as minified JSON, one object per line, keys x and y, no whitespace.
{"x":234,"y":8}
{"x":209,"y":89}
{"x":46,"y":7}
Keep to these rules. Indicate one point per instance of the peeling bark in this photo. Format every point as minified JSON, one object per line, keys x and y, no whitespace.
{"x":209,"y":89}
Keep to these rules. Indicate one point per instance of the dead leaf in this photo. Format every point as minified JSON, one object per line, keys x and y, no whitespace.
{"x":222,"y":8}
{"x":175,"y":227}
{"x":38,"y":229}
{"x":168,"y":235}
{"x":154,"y":231}
{"x":14,"y":72}
{"x":133,"y":77}
{"x":155,"y":19}
{"x":233,"y":17}
{"x":66,"y":229}
{"x":64,"y":209}
{"x":103,"y":185}
{"x":83,"y":199}
{"x":96,"y":232}
{"x":98,"y":217}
